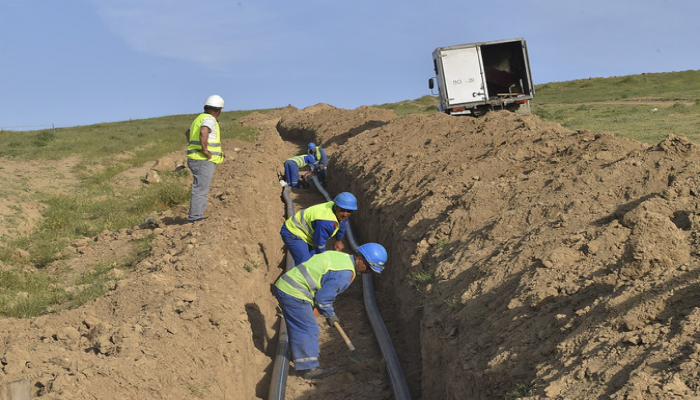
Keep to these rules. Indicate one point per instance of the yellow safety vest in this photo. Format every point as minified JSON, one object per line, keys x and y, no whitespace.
{"x":300,"y":224}
{"x":316,"y":153}
{"x":194,"y":150}
{"x":304,"y":280}
{"x":300,"y":160}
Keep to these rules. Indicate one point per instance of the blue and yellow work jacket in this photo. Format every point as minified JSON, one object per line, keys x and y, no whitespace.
{"x":316,"y":224}
{"x":319,"y":279}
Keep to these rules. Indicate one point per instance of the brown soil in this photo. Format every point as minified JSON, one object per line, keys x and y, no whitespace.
{"x":564,"y":263}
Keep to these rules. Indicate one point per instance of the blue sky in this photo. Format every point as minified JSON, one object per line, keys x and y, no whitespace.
{"x":81,"y":62}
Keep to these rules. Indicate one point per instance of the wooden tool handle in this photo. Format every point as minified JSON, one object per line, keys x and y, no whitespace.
{"x":345,"y":337}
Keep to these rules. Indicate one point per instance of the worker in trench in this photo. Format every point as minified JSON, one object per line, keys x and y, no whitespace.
{"x":293,"y":165}
{"x":307,"y":231}
{"x":321,"y":158}
{"x":316,"y":283}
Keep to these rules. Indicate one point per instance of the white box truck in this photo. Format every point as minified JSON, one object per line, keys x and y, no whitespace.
{"x":477,"y":77}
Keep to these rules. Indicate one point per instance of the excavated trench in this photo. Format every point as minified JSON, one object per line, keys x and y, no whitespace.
{"x":398,"y":302}
{"x":559,"y":263}
{"x":401,"y":327}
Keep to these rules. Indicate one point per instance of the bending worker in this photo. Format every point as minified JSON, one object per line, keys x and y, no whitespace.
{"x":321,"y":158}
{"x":316,"y":283}
{"x":293,"y":165}
{"x":307,"y":231}
{"x":204,"y":153}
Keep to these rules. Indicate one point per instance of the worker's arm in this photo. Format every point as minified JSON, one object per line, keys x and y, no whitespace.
{"x":187,"y":134}
{"x":204,"y":140}
{"x":339,"y":236}
{"x":332,"y":284}
{"x":322,"y":232}
{"x":311,"y":162}
{"x":324,"y":158}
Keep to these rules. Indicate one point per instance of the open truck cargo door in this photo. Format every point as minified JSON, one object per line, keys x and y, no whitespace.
{"x":463,"y":76}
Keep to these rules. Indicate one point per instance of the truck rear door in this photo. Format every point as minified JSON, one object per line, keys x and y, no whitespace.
{"x":463,"y":75}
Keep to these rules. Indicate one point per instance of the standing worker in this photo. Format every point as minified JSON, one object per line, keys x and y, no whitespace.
{"x":307,"y":231}
{"x":320,"y":155}
{"x":316,"y":283}
{"x":292,"y":167}
{"x":204,"y":153}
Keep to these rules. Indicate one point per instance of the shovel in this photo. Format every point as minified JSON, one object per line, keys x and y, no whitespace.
{"x":354,"y":354}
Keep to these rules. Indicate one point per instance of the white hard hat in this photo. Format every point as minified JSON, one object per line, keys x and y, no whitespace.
{"x":214,"y":101}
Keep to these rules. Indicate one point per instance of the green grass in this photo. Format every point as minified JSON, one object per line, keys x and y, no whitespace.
{"x":646,"y":108}
{"x":89,"y":212}
{"x":24,"y":294}
{"x":669,"y":86}
{"x":120,"y":144}
{"x":424,"y":105}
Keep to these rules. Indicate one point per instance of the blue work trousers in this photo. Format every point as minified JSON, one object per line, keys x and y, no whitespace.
{"x":321,"y":174}
{"x":202,"y":172}
{"x":291,"y":173}
{"x":302,"y":329}
{"x":298,"y":248}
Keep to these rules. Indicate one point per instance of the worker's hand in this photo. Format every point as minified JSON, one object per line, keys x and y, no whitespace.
{"x":207,"y":153}
{"x":332,"y":320}
{"x":339,"y":245}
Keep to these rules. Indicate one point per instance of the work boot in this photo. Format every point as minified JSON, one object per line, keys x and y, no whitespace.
{"x":318,"y":372}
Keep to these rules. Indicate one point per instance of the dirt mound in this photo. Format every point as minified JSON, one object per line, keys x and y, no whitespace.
{"x":524,"y":258}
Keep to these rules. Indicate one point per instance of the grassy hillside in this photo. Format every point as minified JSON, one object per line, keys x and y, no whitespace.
{"x":645,"y":107}
{"x":95,"y":155}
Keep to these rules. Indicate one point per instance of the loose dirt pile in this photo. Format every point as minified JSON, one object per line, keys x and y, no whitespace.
{"x":525,"y":260}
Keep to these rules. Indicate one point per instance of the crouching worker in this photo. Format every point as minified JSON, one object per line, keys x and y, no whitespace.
{"x":294,"y":164}
{"x":306,"y":232}
{"x":316,"y":283}
{"x":320,"y":156}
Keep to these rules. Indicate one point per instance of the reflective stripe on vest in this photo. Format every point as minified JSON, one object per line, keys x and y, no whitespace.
{"x":304,"y":280}
{"x":298,"y":286}
{"x":299,"y":160}
{"x":301,"y":223}
{"x":194,"y":150}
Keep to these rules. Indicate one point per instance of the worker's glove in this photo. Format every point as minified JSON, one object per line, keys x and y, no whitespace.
{"x":332,"y":320}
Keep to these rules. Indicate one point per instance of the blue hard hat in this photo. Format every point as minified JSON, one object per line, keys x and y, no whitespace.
{"x":375,"y":254}
{"x":346,"y":200}
{"x":312,"y":146}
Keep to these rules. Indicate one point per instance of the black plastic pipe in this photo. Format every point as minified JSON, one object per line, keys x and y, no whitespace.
{"x":280,"y":368}
{"x":396,"y":376}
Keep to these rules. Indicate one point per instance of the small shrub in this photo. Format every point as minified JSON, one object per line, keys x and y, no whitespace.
{"x":521,"y":390}
{"x":420,"y":278}
{"x":454,"y":304}
{"x":44,"y":138}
